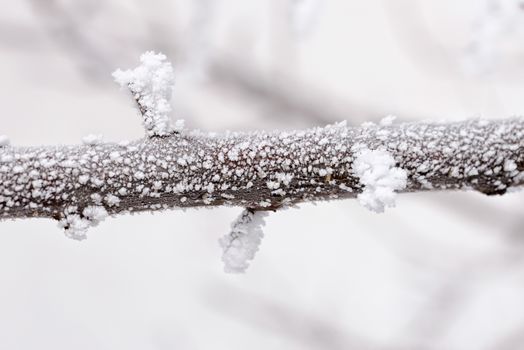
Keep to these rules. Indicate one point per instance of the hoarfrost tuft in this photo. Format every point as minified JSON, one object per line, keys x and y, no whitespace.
{"x":388,"y":120}
{"x":241,"y":244}
{"x":76,"y":226}
{"x":92,"y":139}
{"x":377,"y":172}
{"x":152,"y":86}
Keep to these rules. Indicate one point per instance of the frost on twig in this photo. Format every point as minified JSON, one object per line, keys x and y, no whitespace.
{"x":76,"y":225}
{"x":151,"y":84}
{"x":241,"y":244}
{"x":92,"y":139}
{"x":377,"y":172}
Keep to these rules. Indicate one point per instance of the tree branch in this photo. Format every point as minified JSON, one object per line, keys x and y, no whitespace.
{"x":259,"y":170}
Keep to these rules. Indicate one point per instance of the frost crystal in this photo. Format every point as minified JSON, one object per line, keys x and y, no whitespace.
{"x":510,"y":165}
{"x":179,"y":125}
{"x":92,"y":139}
{"x":388,"y":120}
{"x":112,"y":200}
{"x":377,"y":172}
{"x":152,"y":86}
{"x":76,"y":226}
{"x":95,"y":214}
{"x":241,"y":244}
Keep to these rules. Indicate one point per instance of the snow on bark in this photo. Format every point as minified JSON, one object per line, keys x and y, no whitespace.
{"x":151,"y":84}
{"x":377,"y":172}
{"x":242,"y":243}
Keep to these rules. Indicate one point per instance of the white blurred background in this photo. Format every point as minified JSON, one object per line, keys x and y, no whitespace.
{"x":440,"y":271}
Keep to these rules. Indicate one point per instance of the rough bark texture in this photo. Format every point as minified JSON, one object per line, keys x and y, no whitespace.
{"x":259,"y":170}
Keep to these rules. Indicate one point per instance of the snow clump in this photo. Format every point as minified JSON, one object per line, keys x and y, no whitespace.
{"x":76,"y":226}
{"x":377,"y":172}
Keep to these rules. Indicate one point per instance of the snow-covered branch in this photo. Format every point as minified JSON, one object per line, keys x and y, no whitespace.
{"x":259,"y":170}
{"x":79,"y":185}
